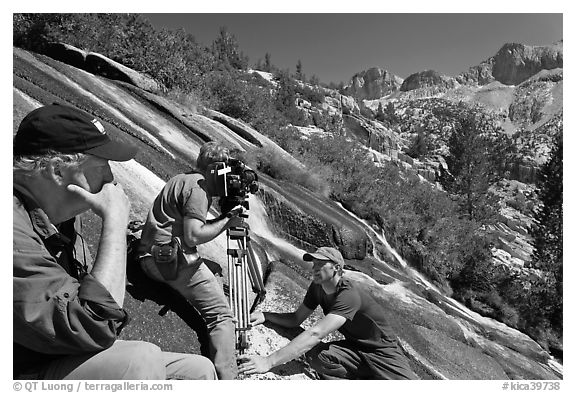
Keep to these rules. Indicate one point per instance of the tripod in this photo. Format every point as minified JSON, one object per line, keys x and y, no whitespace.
{"x":242,"y":266}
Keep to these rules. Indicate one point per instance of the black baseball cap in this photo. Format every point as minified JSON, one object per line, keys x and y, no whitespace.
{"x":66,"y":129}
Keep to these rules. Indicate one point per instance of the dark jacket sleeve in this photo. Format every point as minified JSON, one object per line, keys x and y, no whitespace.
{"x":53,"y":312}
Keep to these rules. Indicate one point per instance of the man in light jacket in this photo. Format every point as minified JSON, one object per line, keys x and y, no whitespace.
{"x":67,"y":309}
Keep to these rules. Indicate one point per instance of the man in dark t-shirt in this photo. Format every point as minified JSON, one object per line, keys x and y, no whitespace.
{"x":369,"y":350}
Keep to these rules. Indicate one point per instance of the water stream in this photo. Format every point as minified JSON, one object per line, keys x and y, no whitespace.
{"x":409,"y":271}
{"x":457,"y":307}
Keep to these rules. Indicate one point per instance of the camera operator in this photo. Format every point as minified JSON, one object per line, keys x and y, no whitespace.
{"x":175,"y":225}
{"x":67,"y":309}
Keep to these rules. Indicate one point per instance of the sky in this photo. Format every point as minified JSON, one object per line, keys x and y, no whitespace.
{"x":335,"y":46}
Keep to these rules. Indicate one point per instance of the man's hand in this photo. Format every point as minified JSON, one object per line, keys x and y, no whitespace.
{"x":256,"y":318}
{"x":253,"y":364}
{"x":236,"y":211}
{"x":235,"y":222}
{"x":234,"y":217}
{"x":109,"y":203}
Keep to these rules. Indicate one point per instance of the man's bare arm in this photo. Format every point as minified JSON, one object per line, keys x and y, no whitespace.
{"x":112,"y":205}
{"x":288,"y":320}
{"x":305,"y":341}
{"x":197,"y":232}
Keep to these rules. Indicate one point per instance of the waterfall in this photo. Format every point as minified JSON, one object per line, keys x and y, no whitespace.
{"x":258,"y":221}
{"x":450,"y":305}
{"x":409,"y":271}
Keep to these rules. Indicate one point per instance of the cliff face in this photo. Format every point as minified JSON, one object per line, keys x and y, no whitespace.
{"x":442,"y":339}
{"x":514,"y":63}
{"x":373,"y":83}
{"x":428,"y":78}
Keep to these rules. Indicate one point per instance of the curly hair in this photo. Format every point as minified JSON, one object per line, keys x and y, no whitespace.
{"x":29,"y":165}
{"x":211,"y":152}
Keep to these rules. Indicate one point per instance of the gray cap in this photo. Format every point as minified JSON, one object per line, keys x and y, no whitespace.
{"x":325,"y":254}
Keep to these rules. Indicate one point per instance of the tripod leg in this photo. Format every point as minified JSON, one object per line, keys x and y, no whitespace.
{"x":244,"y":317}
{"x":245,"y":308}
{"x":231,"y":282}
{"x":239,"y":294}
{"x":243,"y":266}
{"x":242,"y":343}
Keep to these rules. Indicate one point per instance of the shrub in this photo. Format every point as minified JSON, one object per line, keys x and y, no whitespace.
{"x":231,"y":95}
{"x":272,"y":164}
{"x":521,"y":203}
{"x":285,"y":99}
{"x":312,"y":95}
{"x":188,"y":99}
{"x":509,"y":315}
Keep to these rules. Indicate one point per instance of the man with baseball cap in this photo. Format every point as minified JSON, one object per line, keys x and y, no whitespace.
{"x":67,"y":308}
{"x":369,"y":350}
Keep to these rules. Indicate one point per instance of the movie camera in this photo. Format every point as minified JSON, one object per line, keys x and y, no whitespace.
{"x":232,"y":181}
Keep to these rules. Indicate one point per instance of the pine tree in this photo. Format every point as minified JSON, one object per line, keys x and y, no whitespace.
{"x":226,"y":49}
{"x":473,"y":163}
{"x":390,"y":113}
{"x":286,"y":98}
{"x":267,"y":63}
{"x":258,"y":65}
{"x":380,"y":116}
{"x":547,"y":233}
{"x":420,"y":145}
{"x":299,"y":74}
{"x":314,"y":80}
{"x":386,"y":115}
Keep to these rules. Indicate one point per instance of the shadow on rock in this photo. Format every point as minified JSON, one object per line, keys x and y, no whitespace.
{"x":143,"y":288}
{"x":289,"y":333}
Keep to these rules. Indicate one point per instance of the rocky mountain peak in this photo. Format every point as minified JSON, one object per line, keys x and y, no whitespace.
{"x":514,"y":63}
{"x":427,"y":78}
{"x":372,"y":84}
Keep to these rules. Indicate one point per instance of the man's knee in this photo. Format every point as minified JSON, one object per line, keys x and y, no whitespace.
{"x":205,"y":369}
{"x":193,"y":367}
{"x":324,"y":363}
{"x":221,"y":316}
{"x":224,"y":316}
{"x":143,"y":361}
{"x":318,"y":359}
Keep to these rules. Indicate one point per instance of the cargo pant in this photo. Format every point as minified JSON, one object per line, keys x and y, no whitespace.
{"x":198,"y":285}
{"x":343,"y":360}
{"x":132,"y":360}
